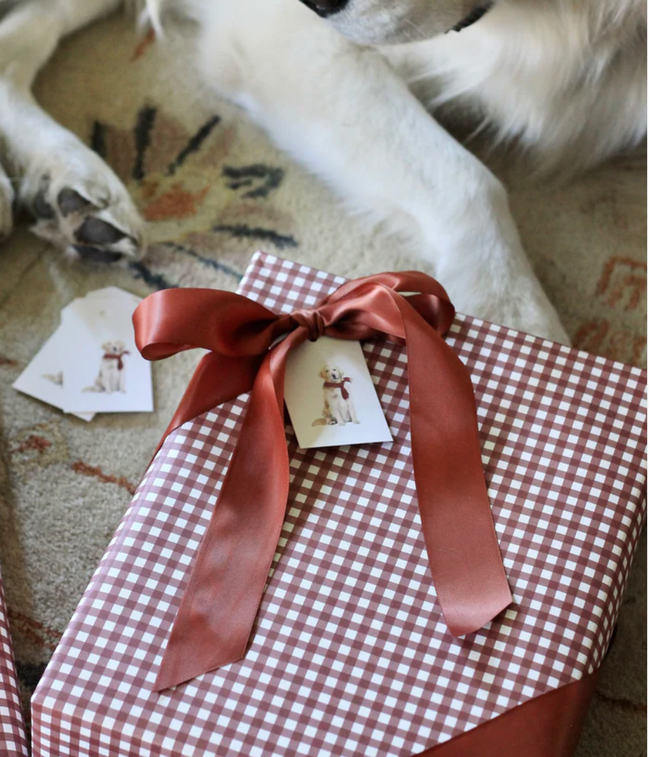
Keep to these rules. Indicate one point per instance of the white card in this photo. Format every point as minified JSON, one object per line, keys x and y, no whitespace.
{"x":111,"y":292}
{"x":104,"y":372}
{"x":43,"y":378}
{"x":330,"y":396}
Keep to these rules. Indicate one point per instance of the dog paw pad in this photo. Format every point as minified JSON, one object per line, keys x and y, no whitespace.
{"x":95,"y":231}
{"x":41,"y":207}
{"x":70,"y":201}
{"x":81,"y":207}
{"x":96,"y":254}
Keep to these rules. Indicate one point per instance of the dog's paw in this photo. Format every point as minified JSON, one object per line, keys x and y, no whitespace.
{"x":548,"y":328}
{"x":6,"y":206}
{"x":534,"y":316}
{"x":530,"y":315}
{"x":81,"y":207}
{"x":518,"y":303}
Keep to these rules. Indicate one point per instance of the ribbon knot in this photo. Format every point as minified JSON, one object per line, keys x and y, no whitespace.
{"x":312,"y":320}
{"x":222,"y":597}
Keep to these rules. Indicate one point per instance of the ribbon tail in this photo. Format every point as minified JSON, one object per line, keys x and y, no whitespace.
{"x":217,"y":379}
{"x":464,"y":555}
{"x":221,"y":601}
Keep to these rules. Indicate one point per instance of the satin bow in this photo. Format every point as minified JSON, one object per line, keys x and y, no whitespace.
{"x":221,"y":600}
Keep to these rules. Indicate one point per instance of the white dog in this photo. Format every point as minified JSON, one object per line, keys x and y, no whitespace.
{"x":348,"y":87}
{"x":112,"y":370}
{"x":338,"y":404}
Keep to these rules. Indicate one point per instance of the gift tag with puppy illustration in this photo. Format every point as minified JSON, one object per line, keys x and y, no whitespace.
{"x":330,"y":396}
{"x":43,"y":378}
{"x":104,"y":372}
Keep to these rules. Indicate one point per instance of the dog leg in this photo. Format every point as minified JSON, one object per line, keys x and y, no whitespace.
{"x":344,"y":112}
{"x":339,"y":413}
{"x":79,"y":204}
{"x":6,"y":205}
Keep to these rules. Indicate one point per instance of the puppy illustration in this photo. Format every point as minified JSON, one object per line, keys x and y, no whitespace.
{"x":55,"y":378}
{"x":338,"y":405}
{"x":112,"y":372}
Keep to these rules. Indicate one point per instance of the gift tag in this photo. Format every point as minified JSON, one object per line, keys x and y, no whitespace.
{"x":114,"y":293}
{"x":44,"y":378}
{"x":104,"y":371}
{"x":330,"y":396}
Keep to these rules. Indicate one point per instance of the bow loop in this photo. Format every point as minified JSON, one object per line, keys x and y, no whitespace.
{"x":176,"y":320}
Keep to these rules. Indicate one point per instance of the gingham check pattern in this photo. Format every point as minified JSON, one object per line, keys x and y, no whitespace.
{"x":350,"y":655}
{"x":13,"y":741}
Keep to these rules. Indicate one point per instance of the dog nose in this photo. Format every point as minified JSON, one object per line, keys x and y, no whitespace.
{"x":325,"y":7}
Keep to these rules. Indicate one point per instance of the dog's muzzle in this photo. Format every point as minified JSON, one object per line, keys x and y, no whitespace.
{"x":325,"y":8}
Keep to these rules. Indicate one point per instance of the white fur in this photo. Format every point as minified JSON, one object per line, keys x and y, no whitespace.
{"x":42,"y":157}
{"x":566,"y":78}
{"x":6,"y":203}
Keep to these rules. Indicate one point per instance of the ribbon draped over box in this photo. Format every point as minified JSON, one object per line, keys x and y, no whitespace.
{"x":221,"y":600}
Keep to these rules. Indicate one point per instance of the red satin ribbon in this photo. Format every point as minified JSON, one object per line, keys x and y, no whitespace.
{"x":221,"y":600}
{"x":547,"y":726}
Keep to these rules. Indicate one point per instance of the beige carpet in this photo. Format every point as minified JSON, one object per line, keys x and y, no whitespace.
{"x":214,"y":190}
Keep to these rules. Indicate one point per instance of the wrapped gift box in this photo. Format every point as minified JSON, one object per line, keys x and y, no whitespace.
{"x":13,"y":741}
{"x":350,"y":654}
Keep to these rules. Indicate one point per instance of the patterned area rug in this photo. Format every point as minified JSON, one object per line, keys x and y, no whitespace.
{"x":214,"y":190}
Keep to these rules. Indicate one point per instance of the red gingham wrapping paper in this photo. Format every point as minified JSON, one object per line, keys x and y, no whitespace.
{"x":350,"y":655}
{"x":13,"y":741}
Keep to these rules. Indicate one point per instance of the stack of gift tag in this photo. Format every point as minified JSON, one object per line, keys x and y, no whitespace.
{"x":91,"y":364}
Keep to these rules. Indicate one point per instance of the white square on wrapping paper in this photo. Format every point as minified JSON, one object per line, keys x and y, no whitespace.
{"x":330,"y":396}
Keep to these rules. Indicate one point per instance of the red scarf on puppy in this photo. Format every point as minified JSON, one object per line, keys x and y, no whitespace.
{"x":339,"y":385}
{"x":120,"y":362}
